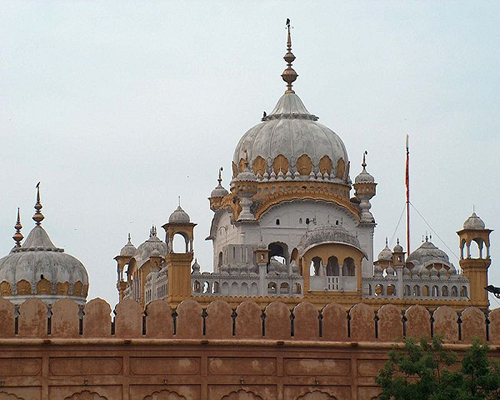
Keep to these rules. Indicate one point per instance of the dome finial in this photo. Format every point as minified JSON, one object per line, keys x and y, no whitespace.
{"x":363,"y":164}
{"x":289,"y":75}
{"x":38,"y":217}
{"x":220,"y":176}
{"x":18,"y":236}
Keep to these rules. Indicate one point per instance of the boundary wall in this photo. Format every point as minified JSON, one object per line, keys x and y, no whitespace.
{"x":66,"y":351}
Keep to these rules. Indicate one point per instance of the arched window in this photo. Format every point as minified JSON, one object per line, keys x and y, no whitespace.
{"x":179,"y":244}
{"x":298,"y":288}
{"x":234,"y":288}
{"x":407,"y":290}
{"x":425,"y":291}
{"x":244,"y":289}
{"x":348,"y":269}
{"x":454,"y":291}
{"x":379,"y":290}
{"x":278,"y":251}
{"x":416,"y":291}
{"x":391,"y":290}
{"x":284,"y":288}
{"x":196,"y":287}
{"x":435,"y":291}
{"x":332,"y":268}
{"x":463,"y":291}
{"x":271,"y":288}
{"x":206,"y":287}
{"x":444,"y":291}
{"x":216,"y":287}
{"x":315,"y":266}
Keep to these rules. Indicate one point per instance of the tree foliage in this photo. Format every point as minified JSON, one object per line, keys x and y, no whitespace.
{"x":426,"y":370}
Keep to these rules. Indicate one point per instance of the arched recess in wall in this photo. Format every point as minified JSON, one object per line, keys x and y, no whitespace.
{"x":165,"y":395}
{"x":325,"y":165}
{"x":304,"y":165}
{"x":340,"y":168}
{"x":86,"y":395}
{"x":317,"y":395}
{"x":242,"y":395}
{"x":259,"y":166}
{"x":280,"y":163}
{"x":295,"y":256}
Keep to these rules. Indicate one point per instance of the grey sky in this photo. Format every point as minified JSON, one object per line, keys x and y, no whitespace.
{"x":119,"y":107}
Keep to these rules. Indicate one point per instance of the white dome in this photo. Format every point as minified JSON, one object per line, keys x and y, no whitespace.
{"x":179,"y":216}
{"x":128,"y":250}
{"x":474,"y":222}
{"x":364,"y":177}
{"x":427,"y":254}
{"x":219,"y":191}
{"x":385,"y":254}
{"x":150,"y":247}
{"x":291,"y":131}
{"x":39,"y":259}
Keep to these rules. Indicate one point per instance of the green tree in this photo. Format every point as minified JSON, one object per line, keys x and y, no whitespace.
{"x":426,"y":371}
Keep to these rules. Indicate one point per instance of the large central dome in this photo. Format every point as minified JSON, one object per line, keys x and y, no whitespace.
{"x":290,"y":143}
{"x":291,"y":140}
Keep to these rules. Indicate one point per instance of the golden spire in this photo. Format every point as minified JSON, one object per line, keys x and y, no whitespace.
{"x":289,"y":75}
{"x":220,"y":176}
{"x":18,"y":236}
{"x":38,"y":217}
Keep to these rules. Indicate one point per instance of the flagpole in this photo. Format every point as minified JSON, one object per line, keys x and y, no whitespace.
{"x":407,"y":194}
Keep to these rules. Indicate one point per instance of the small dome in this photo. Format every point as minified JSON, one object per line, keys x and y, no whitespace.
{"x":150,"y":247}
{"x":196,"y":267}
{"x":38,"y":259}
{"x":474,"y":222}
{"x":426,"y":255}
{"x":179,"y":216}
{"x":390,"y":271}
{"x":364,"y":177}
{"x":219,"y":191}
{"x":128,"y":250}
{"x":398,"y":248}
{"x":385,"y":254}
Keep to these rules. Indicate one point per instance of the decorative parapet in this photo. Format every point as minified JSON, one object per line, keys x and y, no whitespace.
{"x":218,"y":321}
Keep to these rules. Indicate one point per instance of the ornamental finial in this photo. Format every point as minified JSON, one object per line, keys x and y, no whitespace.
{"x":289,"y":75}
{"x":18,"y":236}
{"x":38,"y":217}
{"x":220,"y":175}
{"x":364,"y":159}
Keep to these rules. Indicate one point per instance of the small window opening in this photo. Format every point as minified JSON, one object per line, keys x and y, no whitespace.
{"x":277,"y":221}
{"x":307,"y":221}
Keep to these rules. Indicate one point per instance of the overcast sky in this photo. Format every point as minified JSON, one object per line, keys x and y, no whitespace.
{"x":120,"y":107}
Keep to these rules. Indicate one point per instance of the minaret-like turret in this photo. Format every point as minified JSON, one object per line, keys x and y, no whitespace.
{"x":179,"y":260}
{"x":365,"y":187}
{"x":475,"y":267}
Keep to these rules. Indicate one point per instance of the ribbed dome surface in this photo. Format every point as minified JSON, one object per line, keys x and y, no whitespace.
{"x":179,"y":216}
{"x":39,"y":259}
{"x":426,"y":255}
{"x":291,"y":131}
{"x":474,"y":222}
